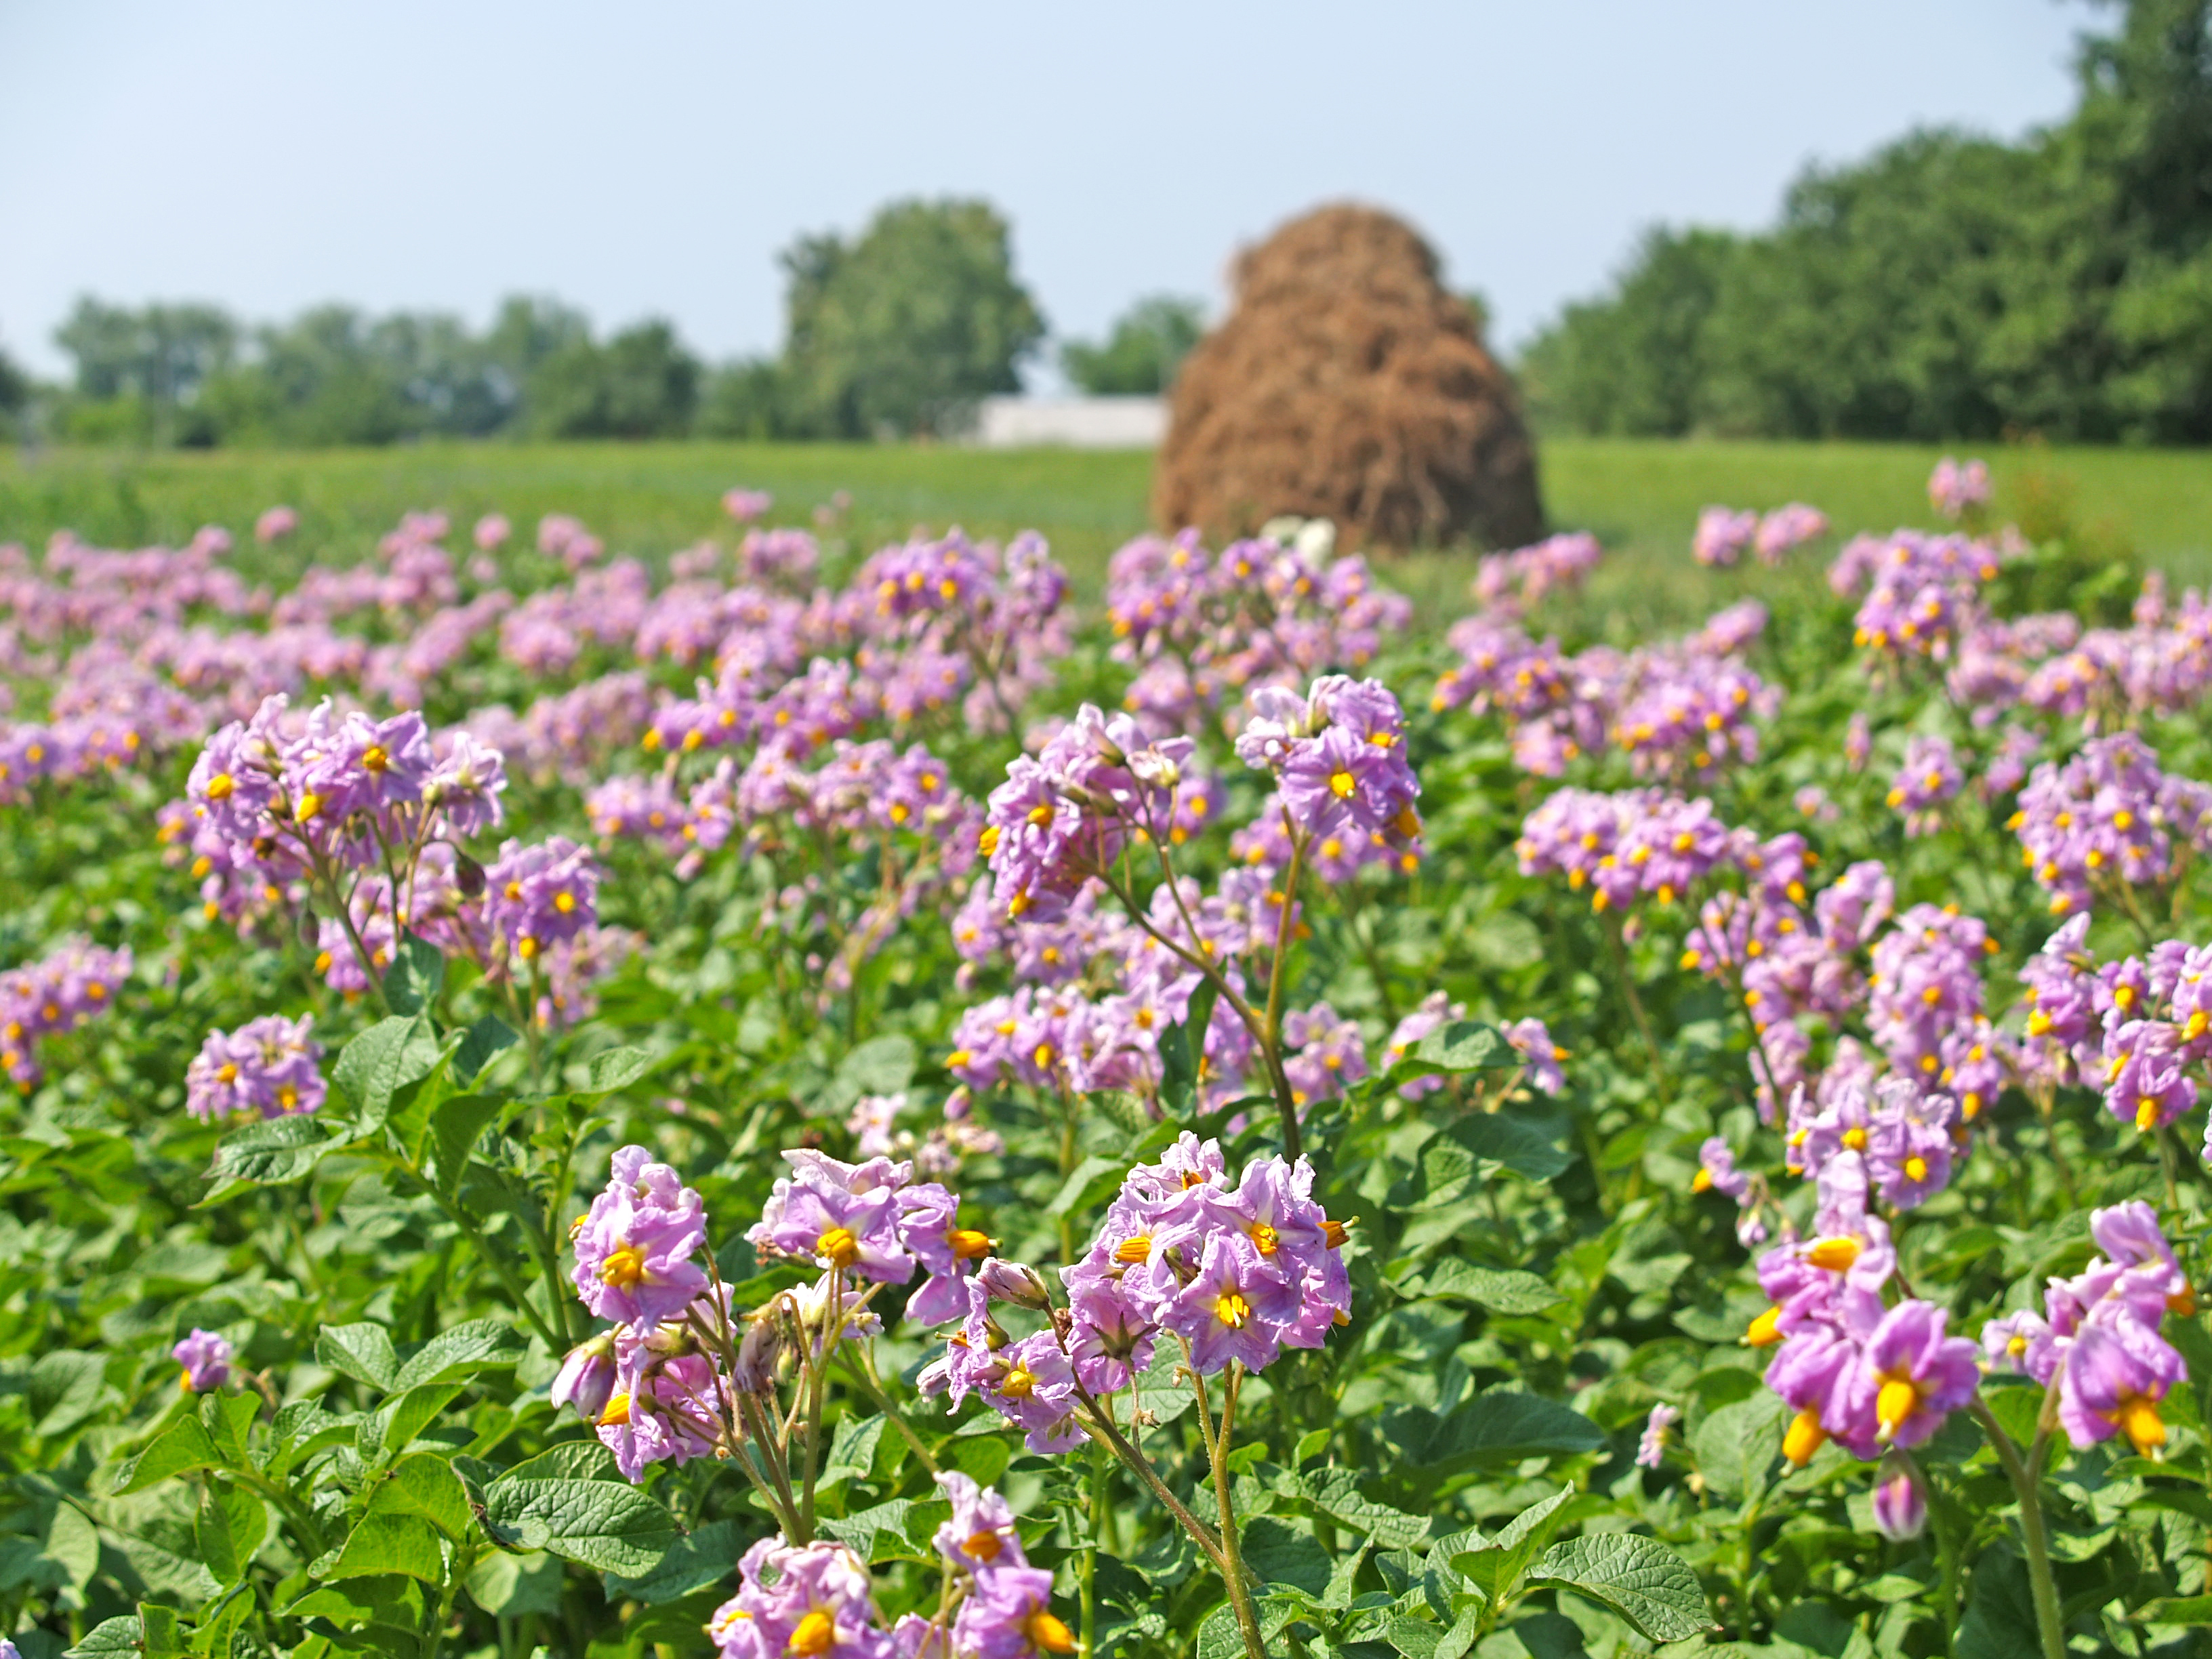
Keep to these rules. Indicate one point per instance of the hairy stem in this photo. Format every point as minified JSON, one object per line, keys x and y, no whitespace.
{"x":2027,"y":1486}
{"x":1232,"y":1560}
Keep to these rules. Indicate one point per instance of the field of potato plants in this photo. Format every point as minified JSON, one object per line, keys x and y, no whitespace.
{"x":813,"y":1099}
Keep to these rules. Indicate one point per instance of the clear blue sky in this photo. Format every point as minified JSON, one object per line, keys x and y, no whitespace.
{"x":653,"y":157}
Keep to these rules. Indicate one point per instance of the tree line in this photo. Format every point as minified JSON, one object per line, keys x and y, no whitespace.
{"x":897,"y":331}
{"x":1947,"y":286}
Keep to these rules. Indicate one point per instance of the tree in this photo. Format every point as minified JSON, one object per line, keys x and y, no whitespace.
{"x":151,"y":362}
{"x":15,"y":386}
{"x":903,"y":329}
{"x":641,"y":384}
{"x":1947,"y":286}
{"x":1140,"y":356}
{"x":1633,"y":365}
{"x":327,"y":383}
{"x":744,"y":400}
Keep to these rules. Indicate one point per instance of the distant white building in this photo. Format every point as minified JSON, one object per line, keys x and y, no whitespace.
{"x":1072,"y":423}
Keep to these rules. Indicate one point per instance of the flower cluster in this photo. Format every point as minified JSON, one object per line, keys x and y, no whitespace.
{"x":52,"y":997}
{"x":2107,"y":819}
{"x":284,"y":797}
{"x":1062,"y":817}
{"x":270,"y":1065}
{"x":1722,"y":536}
{"x":1235,"y":1272}
{"x":817,"y":1599}
{"x":1927,"y":989}
{"x":653,"y":1388}
{"x":1096,"y":991}
{"x":1507,"y":582}
{"x":1867,"y":1375}
{"x":1338,"y":757}
{"x":1955,"y":490}
{"x":1684,"y":707}
{"x":1206,"y":629}
{"x":1922,"y":592}
{"x":1624,"y":846}
{"x":1786,"y":528}
{"x":1929,"y":777}
{"x":2135,"y":1028}
{"x":2097,"y":1337}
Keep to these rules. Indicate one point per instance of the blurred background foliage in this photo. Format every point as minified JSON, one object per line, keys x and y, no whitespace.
{"x":1947,"y":286}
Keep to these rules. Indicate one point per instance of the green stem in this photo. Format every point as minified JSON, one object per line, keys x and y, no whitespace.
{"x":2025,"y":1483}
{"x":1272,"y":1043}
{"x":1743,"y":1575}
{"x":1089,"y":1569}
{"x":1947,"y":1565}
{"x":2045,"y":1109}
{"x":863,"y":1370}
{"x":1100,"y":1425}
{"x":1232,"y":1560}
{"x":1612,"y":931}
{"x":486,"y":1254}
{"x":1254,"y":1021}
{"x":301,"y":1517}
{"x":360,"y":955}
{"x":779,"y":1498}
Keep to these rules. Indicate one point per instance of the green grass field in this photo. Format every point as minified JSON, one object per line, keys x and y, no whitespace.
{"x":1640,"y":497}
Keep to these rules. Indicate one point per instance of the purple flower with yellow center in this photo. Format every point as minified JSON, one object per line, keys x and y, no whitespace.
{"x":1930,"y":777}
{"x":2116,"y":1373}
{"x":1810,"y":1373}
{"x":2191,"y":1006}
{"x":1717,"y":1171}
{"x":664,"y":1405}
{"x":2130,"y":1236}
{"x":929,"y":1228}
{"x":368,"y":765}
{"x":537,"y":896}
{"x":839,"y":1228}
{"x":970,"y":1360}
{"x":1908,"y":1158}
{"x":1851,"y":909}
{"x":466,"y":785}
{"x":635,"y":1245}
{"x":980,"y":1536}
{"x":1913,"y":1373}
{"x":1008,"y":1615}
{"x":1651,"y":1446}
{"x":206,"y":1358}
{"x":1325,"y":1053}
{"x":1240,"y":1305}
{"x":803,"y":1602}
{"x":1033,"y":1387}
{"x":1531,"y":1039}
{"x":2146,"y":1073}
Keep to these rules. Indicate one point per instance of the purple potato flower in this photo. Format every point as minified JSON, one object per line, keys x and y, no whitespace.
{"x":635,"y":1245}
{"x":206,"y":1358}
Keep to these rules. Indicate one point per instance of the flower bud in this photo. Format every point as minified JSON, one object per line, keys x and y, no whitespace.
{"x":586,"y":1378}
{"x":760,"y":1354}
{"x":1013,"y":1281}
{"x":468,"y":875}
{"x":1900,"y":1497}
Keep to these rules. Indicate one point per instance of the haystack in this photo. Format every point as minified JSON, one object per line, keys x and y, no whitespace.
{"x":1346,"y":384}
